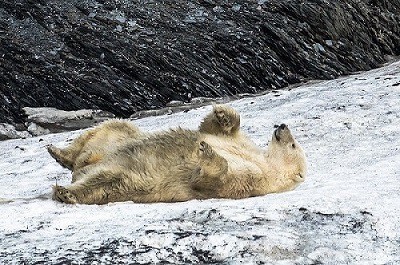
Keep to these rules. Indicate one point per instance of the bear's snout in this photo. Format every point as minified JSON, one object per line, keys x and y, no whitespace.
{"x":282,"y":133}
{"x":282,"y":126}
{"x":277,"y":134}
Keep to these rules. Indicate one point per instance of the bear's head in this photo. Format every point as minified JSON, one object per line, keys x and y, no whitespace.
{"x":287,"y":158}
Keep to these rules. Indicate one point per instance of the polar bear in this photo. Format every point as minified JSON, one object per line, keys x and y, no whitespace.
{"x":216,"y":161}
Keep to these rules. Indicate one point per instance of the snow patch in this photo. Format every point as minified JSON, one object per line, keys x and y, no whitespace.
{"x":345,"y":212}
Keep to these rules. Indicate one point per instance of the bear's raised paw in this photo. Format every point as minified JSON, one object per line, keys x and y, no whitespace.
{"x":227,"y":118}
{"x":206,"y":150}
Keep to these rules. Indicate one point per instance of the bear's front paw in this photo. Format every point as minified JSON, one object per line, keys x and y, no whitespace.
{"x":206,"y":150}
{"x":226,"y":117}
{"x":222,"y":117}
{"x":62,"y":194}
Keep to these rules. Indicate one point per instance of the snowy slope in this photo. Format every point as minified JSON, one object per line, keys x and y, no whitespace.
{"x":345,"y":212}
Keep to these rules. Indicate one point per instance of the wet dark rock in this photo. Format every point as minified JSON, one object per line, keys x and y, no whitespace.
{"x":126,"y":56}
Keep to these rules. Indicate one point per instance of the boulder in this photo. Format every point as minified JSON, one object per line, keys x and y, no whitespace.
{"x":51,"y":120}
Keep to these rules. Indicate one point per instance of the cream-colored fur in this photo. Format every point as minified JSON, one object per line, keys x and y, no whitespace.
{"x":90,"y":147}
{"x":216,"y":161}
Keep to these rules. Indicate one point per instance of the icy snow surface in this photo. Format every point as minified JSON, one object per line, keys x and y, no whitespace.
{"x":346,"y":212}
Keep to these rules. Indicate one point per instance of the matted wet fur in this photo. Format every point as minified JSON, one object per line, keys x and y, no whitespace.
{"x":117,"y":162}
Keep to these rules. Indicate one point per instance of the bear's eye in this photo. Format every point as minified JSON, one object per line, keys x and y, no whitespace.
{"x":293,"y":146}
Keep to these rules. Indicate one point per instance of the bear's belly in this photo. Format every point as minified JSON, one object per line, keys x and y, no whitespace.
{"x":233,"y":149}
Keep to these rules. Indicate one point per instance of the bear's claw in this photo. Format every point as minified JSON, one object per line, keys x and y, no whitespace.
{"x":222,"y":118}
{"x":62,"y":194}
{"x":227,"y":118}
{"x":206,"y":150}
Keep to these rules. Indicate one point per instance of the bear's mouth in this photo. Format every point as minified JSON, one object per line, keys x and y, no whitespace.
{"x":276,"y":134}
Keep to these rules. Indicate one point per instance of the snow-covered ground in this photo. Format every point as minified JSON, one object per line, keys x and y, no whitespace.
{"x":346,"y":212}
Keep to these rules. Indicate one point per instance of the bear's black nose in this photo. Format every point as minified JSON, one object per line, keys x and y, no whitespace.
{"x":282,"y":126}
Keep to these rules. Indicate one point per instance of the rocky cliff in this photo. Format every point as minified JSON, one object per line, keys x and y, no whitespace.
{"x":123,"y":56}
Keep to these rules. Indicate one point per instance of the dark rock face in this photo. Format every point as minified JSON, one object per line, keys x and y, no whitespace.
{"x":123,"y":56}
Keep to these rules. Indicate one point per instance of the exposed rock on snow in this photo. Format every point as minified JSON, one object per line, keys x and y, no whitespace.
{"x":8,"y":131}
{"x":49,"y":120}
{"x":126,"y":56}
{"x":41,"y":121}
{"x":177,"y":106}
{"x":346,"y":212}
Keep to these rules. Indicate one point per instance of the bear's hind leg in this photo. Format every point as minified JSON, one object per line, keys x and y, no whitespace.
{"x":100,"y":186}
{"x":83,"y":193}
{"x":222,"y":120}
{"x":66,"y":157}
{"x":87,"y":158}
{"x":59,"y":155}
